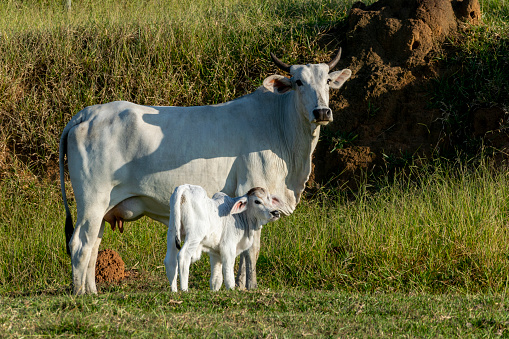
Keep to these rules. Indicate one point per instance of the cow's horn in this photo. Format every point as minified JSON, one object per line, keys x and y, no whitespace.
{"x":279,"y":63}
{"x":334,"y":61}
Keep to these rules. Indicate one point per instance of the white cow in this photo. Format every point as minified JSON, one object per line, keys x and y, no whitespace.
{"x":125,"y":159}
{"x":222,"y":226}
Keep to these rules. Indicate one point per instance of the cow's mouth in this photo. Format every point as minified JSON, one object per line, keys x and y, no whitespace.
{"x":322,"y":115}
{"x":322,"y":122}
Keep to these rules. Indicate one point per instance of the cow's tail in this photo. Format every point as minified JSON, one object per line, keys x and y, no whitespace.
{"x":69,"y":228}
{"x":175,"y":213}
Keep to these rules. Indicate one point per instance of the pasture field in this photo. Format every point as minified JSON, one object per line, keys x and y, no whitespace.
{"x":425,"y":254}
{"x":264,"y":313}
{"x":420,"y":252}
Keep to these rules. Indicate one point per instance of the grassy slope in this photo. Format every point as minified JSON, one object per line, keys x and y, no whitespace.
{"x":52,"y":63}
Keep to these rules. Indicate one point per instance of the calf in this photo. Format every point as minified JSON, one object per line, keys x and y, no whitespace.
{"x":222,"y":226}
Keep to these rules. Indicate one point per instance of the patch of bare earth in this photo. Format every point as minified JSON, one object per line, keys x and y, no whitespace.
{"x":391,"y":48}
{"x":110,"y":267}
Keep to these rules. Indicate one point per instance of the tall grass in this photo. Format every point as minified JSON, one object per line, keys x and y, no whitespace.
{"x":161,"y":52}
{"x":54,"y":63}
{"x":445,"y":229}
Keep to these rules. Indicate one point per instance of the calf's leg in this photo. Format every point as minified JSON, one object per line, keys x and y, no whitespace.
{"x":170,"y":261}
{"x":216,"y":274}
{"x":246,"y":274}
{"x":228,"y":260}
{"x":184,"y":259}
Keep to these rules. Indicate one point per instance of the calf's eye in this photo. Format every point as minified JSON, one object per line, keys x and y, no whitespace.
{"x":298,"y":82}
{"x":328,"y":81}
{"x":258,"y":202}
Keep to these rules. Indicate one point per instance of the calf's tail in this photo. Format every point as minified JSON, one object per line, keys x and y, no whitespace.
{"x":175,"y":213}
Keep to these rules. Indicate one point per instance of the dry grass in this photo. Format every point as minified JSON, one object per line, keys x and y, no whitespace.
{"x":54,"y":63}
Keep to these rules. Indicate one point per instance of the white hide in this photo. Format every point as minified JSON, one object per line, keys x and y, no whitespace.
{"x":125,"y":159}
{"x":222,"y":226}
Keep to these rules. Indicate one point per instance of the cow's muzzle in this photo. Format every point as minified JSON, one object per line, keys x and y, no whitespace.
{"x":322,"y":115}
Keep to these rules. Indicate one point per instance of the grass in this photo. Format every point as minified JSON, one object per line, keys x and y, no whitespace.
{"x":54,"y":63}
{"x":437,"y":230}
{"x":264,"y":313}
{"x":443,"y":231}
{"x":420,"y":253}
{"x":162,"y":52}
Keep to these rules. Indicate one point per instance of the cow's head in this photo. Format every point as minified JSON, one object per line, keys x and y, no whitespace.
{"x":311,"y":84}
{"x":259,"y":204}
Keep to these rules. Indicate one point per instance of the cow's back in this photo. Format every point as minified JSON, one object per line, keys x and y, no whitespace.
{"x":136,"y":150}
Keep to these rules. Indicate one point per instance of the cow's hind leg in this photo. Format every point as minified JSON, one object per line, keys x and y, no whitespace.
{"x":84,"y":243}
{"x":90,"y":286}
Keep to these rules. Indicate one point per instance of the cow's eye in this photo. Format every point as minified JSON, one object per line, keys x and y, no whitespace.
{"x":298,"y":82}
{"x":258,"y":202}
{"x":328,"y":81}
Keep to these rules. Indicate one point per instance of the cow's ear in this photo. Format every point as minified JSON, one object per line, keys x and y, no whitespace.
{"x":277,"y":84}
{"x":240,"y":206}
{"x":337,"y":79}
{"x":276,"y":202}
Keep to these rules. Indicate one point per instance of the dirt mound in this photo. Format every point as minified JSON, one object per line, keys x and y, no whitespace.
{"x":109,"y":267}
{"x":390,"y":46}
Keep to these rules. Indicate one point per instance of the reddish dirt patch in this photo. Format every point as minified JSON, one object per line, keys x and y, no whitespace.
{"x":391,"y":46}
{"x":109,"y":267}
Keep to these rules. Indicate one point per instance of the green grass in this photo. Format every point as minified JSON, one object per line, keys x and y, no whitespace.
{"x":476,"y":76}
{"x":422,"y":253}
{"x":54,"y":63}
{"x":445,"y":230}
{"x":160,"y":52}
{"x":437,"y":230}
{"x":264,"y":313}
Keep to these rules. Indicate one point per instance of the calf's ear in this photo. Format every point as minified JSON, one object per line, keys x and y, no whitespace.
{"x":277,"y":84}
{"x":337,"y":79}
{"x":240,"y":206}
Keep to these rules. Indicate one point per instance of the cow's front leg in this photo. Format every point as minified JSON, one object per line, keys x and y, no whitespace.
{"x":240,"y":279}
{"x":246,"y":275}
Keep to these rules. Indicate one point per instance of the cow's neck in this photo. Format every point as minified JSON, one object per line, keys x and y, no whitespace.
{"x":299,"y":141}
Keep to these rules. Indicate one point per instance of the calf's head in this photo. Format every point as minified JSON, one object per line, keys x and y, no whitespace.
{"x":311,"y":84}
{"x":258,"y":204}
